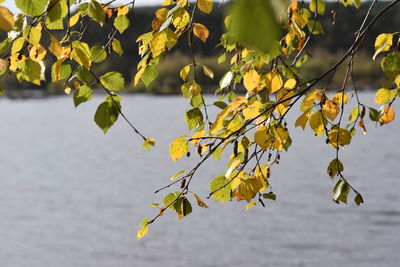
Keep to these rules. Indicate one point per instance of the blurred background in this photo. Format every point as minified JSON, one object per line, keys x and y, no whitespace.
{"x":72,"y":196}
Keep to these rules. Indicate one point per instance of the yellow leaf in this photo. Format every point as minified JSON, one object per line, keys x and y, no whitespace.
{"x":330,"y":109}
{"x":178,"y":148}
{"x":138,"y":76}
{"x":309,"y":99}
{"x":17,"y":45}
{"x":15,"y":60}
{"x":339,"y":137}
{"x":280,"y":136}
{"x":236,"y":182}
{"x":273,"y":81}
{"x":317,"y":123}
{"x":122,"y":10}
{"x":387,"y":116}
{"x":251,"y":80}
{"x":302,"y":120}
{"x":55,"y":47}
{"x":252,"y":110}
{"x":397,"y":81}
{"x":6,"y":19}
{"x":180,"y":18}
{"x":194,"y":89}
{"x":340,"y":98}
{"x":205,"y":5}
{"x":232,"y":167}
{"x":159,"y":43}
{"x":208,"y":72}
{"x":67,"y":90}
{"x":74,"y":19}
{"x":160,"y":18}
{"x":185,"y":72}
{"x":142,"y":232}
{"x":263,"y":139}
{"x":282,"y":95}
{"x":37,"y":53}
{"x":249,"y":188}
{"x":384,"y":96}
{"x":383,"y":43}
{"x":195,"y":138}
{"x":251,"y":204}
{"x":201,"y":31}
{"x":290,"y":84}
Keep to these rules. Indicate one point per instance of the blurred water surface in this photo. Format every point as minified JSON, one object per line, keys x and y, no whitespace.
{"x":71,"y":196}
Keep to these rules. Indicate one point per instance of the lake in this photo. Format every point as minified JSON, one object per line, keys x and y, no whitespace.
{"x":72,"y":196}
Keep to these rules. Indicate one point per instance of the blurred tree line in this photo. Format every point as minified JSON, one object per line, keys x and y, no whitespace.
{"x":337,"y":38}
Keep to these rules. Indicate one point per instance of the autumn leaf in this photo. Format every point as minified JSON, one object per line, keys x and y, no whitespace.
{"x":201,"y":31}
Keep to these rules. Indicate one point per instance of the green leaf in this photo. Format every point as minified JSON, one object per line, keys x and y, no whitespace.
{"x":391,"y":65}
{"x":85,"y":75}
{"x":269,"y":195}
{"x":32,"y":8}
{"x":32,"y":34}
{"x":30,"y":71}
{"x":121,"y":23}
{"x":82,"y":94}
{"x":250,"y":18}
{"x":96,"y":12}
{"x":169,"y":199}
{"x":358,"y":199}
{"x":60,"y":71}
{"x":149,"y":75}
{"x":341,"y":192}
{"x":98,"y":54}
{"x":334,"y":167}
{"x":197,"y":101}
{"x":374,"y":115}
{"x":317,"y":6}
{"x":315,"y":29}
{"x":5,"y":45}
{"x":117,"y":48}
{"x":55,"y":16}
{"x":107,"y":112}
{"x":220,"y":104}
{"x":186,"y":207}
{"x":113,"y":81}
{"x":193,"y":118}
{"x":221,"y":189}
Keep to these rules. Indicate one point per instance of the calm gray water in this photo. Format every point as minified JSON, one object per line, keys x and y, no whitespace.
{"x":71,"y":196}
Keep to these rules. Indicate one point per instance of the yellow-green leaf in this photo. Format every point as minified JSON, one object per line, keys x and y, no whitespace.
{"x":32,"y":7}
{"x":317,"y":123}
{"x":339,"y":137}
{"x":148,"y":143}
{"x":113,"y":81}
{"x":384,"y":96}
